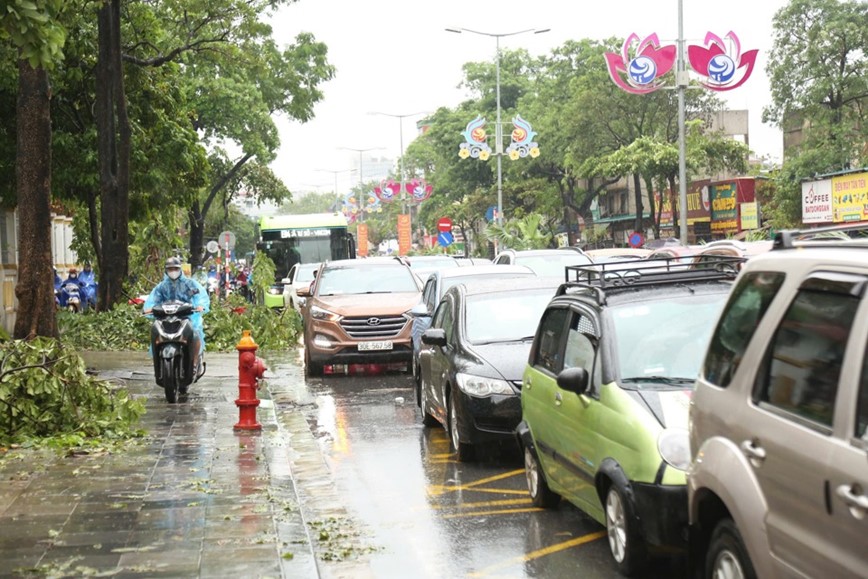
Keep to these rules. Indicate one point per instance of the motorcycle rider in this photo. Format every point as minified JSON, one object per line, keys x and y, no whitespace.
{"x":71,"y":278}
{"x":178,"y":287}
{"x":88,"y":284}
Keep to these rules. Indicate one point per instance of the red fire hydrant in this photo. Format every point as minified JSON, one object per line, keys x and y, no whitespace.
{"x":250,"y":370}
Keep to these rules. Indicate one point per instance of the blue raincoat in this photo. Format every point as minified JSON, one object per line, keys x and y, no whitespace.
{"x":183,"y":289}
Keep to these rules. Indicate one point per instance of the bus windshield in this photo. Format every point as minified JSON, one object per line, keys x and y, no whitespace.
{"x":291,"y":239}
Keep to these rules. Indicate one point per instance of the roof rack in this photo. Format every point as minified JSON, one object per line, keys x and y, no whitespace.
{"x":646,"y":272}
{"x":832,"y":235}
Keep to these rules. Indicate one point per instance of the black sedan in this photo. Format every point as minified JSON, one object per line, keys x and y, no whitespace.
{"x":473,"y":357}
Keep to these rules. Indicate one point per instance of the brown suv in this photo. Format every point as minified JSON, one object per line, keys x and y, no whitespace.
{"x":357,"y":313}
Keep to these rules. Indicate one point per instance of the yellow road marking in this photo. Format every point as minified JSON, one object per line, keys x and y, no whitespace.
{"x":501,"y":476}
{"x":540,"y":553}
{"x":485,"y":504}
{"x":436,"y":490}
{"x":485,"y":513}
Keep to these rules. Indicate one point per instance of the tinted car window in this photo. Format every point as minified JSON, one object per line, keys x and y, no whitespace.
{"x":447,"y":322}
{"x":548,"y":355}
{"x":505,"y":316}
{"x":428,"y":294}
{"x":747,"y":305}
{"x":581,"y":338}
{"x":803,"y":364}
{"x":365,"y":280}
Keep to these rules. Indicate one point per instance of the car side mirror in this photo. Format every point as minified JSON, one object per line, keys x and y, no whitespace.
{"x":286,"y":281}
{"x":434,"y":337}
{"x":574,"y":380}
{"x":420,"y":310}
{"x":303,"y":292}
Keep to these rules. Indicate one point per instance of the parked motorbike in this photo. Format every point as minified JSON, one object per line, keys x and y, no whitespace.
{"x":70,"y":297}
{"x":175,"y":348}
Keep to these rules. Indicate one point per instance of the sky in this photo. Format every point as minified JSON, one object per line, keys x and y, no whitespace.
{"x":394,"y":57}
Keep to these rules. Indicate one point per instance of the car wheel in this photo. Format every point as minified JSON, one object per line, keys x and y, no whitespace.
{"x":462,"y":449}
{"x":427,"y":419}
{"x":727,"y":557}
{"x":540,"y":494}
{"x":311,"y":368}
{"x":626,"y":546}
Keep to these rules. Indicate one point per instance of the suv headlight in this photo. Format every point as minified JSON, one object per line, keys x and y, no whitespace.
{"x":674,"y":447}
{"x":319,"y":313}
{"x":482,"y":387}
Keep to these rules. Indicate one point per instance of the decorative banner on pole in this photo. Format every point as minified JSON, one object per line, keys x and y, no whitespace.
{"x":522,"y":140}
{"x":363,"y":240}
{"x":474,"y":144}
{"x":387,"y":191}
{"x":419,"y":190}
{"x":352,"y":209}
{"x":642,"y":73}
{"x":720,"y":66}
{"x":404,"y":239}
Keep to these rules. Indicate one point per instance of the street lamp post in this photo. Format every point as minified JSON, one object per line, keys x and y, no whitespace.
{"x":498,"y":131}
{"x":361,"y":174}
{"x":336,"y":173}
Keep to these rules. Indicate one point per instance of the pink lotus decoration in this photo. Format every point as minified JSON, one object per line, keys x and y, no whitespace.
{"x":641,"y":74}
{"x":419,"y":189}
{"x":388,"y":191}
{"x":720,"y":66}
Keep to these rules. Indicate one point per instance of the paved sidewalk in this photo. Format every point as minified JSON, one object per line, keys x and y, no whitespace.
{"x":194,"y":498}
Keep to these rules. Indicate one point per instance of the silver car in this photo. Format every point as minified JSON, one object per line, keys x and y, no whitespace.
{"x":778,"y":485}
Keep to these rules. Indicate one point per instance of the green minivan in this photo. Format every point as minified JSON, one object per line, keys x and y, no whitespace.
{"x":605,"y":398}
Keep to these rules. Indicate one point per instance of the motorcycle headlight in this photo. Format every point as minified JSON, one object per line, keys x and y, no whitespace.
{"x":482,"y":387}
{"x":674,"y":447}
{"x":319,"y":313}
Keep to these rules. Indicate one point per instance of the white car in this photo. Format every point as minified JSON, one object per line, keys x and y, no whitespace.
{"x":300,"y":275}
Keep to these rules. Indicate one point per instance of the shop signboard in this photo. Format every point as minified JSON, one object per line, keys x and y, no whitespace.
{"x":749,"y":215}
{"x":724,"y":207}
{"x":817,"y":201}
{"x":850,"y":198}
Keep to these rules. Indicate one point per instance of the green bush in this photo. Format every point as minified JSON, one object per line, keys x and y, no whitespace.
{"x":45,"y":392}
{"x":270,"y":330}
{"x":125,"y":328}
{"x":122,"y":328}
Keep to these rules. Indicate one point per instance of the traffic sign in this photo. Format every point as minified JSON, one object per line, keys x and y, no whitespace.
{"x":212,"y":246}
{"x":444,"y":224}
{"x":636,"y":239}
{"x":226,"y":238}
{"x":444,"y":238}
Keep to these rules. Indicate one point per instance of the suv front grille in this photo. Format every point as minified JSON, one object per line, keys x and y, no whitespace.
{"x":373,"y":327}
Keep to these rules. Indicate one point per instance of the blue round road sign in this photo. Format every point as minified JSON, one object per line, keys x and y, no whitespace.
{"x":636,"y":239}
{"x":445,"y":238}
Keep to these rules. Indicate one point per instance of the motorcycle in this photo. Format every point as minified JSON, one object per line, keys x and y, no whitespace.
{"x":70,"y":297}
{"x":175,"y":348}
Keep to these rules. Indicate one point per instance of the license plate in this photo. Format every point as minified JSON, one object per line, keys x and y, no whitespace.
{"x":369,"y":346}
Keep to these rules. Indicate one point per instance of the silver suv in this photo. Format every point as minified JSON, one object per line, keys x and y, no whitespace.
{"x":778,"y":485}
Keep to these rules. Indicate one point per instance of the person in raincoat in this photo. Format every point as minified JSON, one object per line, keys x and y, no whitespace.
{"x":178,"y":287}
{"x":88,"y":284}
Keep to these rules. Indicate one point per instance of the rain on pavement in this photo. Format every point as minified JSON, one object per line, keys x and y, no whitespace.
{"x":416,"y":505}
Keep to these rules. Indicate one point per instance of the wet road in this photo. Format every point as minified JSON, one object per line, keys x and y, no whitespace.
{"x":419,"y":509}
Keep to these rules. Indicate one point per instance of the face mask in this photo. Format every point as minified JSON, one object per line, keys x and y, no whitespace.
{"x":73,"y":276}
{"x":174,"y":273}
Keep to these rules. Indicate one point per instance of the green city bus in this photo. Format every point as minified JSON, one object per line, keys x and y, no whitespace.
{"x":310,"y":238}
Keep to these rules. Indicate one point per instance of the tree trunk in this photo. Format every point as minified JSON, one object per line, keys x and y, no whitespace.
{"x":35,"y":289}
{"x":637,"y":185}
{"x":652,"y":208}
{"x":197,"y":216}
{"x":197,"y":235}
{"x":114,"y":157}
{"x":673,"y":202}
